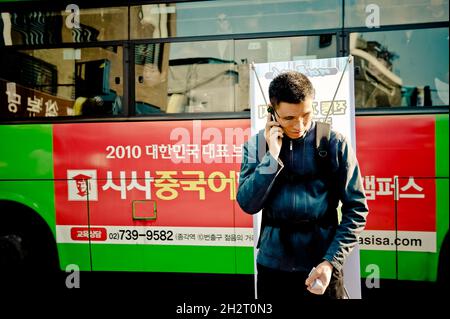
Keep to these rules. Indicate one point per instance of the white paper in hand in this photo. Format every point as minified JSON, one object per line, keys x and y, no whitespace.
{"x":317,"y":286}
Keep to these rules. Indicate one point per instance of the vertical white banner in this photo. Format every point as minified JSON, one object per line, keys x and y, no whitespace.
{"x":325,"y":75}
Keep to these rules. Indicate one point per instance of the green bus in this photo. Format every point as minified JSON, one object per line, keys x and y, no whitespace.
{"x":122,"y":128}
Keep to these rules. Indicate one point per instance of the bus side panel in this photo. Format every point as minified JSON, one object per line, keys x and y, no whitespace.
{"x":26,"y":177}
{"x":442,"y":168}
{"x":430,"y":261}
{"x":442,"y":146}
{"x":397,"y":158}
{"x":26,"y":168}
{"x":160,"y":195}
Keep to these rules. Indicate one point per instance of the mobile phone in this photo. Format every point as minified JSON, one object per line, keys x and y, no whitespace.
{"x":271,"y":110}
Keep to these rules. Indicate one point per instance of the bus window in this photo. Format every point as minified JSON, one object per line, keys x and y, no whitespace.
{"x":69,"y":25}
{"x":61,"y":82}
{"x":376,"y":13}
{"x":197,"y":18}
{"x":401,"y":68}
{"x":285,"y":49}
{"x":280,"y":49}
{"x":153,"y":21}
{"x":192,"y":77}
{"x":212,"y":76}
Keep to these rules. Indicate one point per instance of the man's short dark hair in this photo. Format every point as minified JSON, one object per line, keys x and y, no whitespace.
{"x":290,"y":87}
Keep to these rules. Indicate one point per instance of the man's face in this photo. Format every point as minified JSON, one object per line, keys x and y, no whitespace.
{"x":295,"y":118}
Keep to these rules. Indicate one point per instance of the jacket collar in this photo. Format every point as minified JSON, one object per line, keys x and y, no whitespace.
{"x":307,"y":133}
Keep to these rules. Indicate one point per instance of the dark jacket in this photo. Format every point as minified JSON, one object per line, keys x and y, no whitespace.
{"x":293,"y":191}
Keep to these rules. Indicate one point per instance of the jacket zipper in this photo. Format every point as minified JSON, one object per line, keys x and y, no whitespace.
{"x":292,"y":166}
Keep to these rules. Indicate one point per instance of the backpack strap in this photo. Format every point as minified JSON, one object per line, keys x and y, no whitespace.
{"x":322,"y":139}
{"x":323,"y":158}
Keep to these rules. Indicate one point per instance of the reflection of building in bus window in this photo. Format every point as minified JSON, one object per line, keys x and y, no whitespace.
{"x":224,"y":27}
{"x":107,"y":105}
{"x":437,"y":10}
{"x":150,"y":98}
{"x":93,"y":91}
{"x":202,"y":85}
{"x":151,"y":83}
{"x":155,"y":15}
{"x":442,"y":89}
{"x":32,"y":27}
{"x":375,"y":83}
{"x":78,"y":105}
{"x":151,"y":74}
{"x":151,"y":92}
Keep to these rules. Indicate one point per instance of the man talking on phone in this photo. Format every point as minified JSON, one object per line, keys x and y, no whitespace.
{"x":298,"y":185}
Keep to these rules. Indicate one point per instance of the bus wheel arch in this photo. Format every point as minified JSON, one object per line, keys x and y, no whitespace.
{"x":27,"y":244}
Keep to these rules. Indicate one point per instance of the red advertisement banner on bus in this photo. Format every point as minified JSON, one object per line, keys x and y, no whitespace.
{"x":185,"y":174}
{"x":158,"y":174}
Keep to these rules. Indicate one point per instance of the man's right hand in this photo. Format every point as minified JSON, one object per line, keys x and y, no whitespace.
{"x":273,"y":134}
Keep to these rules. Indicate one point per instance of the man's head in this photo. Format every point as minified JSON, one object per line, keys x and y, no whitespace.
{"x":291,"y":94}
